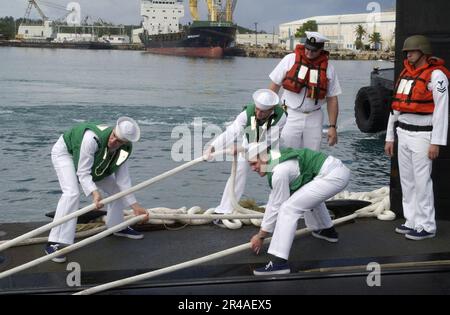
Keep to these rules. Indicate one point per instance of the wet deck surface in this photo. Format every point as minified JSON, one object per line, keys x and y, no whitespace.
{"x":367,"y":240}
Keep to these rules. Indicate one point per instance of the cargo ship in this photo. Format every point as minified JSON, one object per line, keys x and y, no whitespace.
{"x":207,"y":39}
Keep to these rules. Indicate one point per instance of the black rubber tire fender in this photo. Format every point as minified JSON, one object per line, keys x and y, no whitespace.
{"x":372,"y":107}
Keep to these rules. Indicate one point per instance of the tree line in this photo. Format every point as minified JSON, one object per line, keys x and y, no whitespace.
{"x":8,"y":27}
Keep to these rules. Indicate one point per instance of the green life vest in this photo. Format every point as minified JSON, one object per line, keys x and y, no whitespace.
{"x":253,"y":133}
{"x":105,"y":161}
{"x":309,"y":162}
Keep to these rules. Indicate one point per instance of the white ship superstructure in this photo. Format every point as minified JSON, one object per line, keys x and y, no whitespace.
{"x":162,"y":16}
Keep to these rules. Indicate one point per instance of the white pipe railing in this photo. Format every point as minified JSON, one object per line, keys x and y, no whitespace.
{"x":105,"y":201}
{"x":191,"y":263}
{"x":72,"y":247}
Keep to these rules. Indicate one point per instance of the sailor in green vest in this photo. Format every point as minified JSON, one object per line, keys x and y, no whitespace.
{"x":97,"y":157}
{"x":301,"y":181}
{"x":259,"y":122}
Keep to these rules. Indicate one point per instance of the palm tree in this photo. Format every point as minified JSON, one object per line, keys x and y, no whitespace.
{"x":375,"y":39}
{"x":360,"y":31}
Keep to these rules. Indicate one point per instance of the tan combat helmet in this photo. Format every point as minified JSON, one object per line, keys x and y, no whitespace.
{"x":418,"y":42}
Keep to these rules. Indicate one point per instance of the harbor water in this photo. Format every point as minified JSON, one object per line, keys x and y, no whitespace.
{"x":43,"y":92}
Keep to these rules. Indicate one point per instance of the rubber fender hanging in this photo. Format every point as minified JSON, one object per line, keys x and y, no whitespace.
{"x":372,"y":108}
{"x":84,"y":218}
{"x":345,"y":207}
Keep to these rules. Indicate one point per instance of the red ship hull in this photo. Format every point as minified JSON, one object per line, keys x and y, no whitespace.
{"x":205,"y":52}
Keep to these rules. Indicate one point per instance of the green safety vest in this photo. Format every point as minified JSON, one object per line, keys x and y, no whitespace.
{"x":253,"y":134}
{"x":309,"y":162}
{"x":105,"y":161}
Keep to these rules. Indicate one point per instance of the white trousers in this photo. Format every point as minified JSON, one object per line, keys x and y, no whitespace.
{"x":242,"y":170}
{"x":70,"y":199}
{"x":302,"y":130}
{"x":332,"y":179}
{"x":415,"y":177}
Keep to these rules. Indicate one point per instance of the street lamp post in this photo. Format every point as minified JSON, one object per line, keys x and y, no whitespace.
{"x":256,"y":34}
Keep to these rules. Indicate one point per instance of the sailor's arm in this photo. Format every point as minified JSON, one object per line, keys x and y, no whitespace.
{"x":389,"y":145}
{"x":279,"y":194}
{"x":333,"y":91}
{"x":274,"y":87}
{"x":226,"y":138}
{"x":123,"y":181}
{"x":88,"y":149}
{"x":333,"y":111}
{"x":439,"y":84}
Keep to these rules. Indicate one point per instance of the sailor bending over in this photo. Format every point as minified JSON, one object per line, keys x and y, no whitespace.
{"x":260,"y":122}
{"x":301,"y":181}
{"x":97,"y":157}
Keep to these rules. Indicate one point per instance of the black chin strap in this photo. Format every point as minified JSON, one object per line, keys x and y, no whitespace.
{"x":421,"y":56}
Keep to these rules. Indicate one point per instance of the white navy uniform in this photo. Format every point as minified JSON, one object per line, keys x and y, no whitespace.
{"x":68,"y":180}
{"x":283,"y":210}
{"x":305,"y":119}
{"x":414,"y":165}
{"x":227,"y":138}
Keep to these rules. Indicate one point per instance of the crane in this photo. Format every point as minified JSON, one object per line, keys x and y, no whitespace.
{"x":31,"y":4}
{"x":216,"y":11}
{"x":194,"y":9}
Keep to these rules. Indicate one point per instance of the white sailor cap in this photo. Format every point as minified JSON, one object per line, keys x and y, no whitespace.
{"x":127,"y":129}
{"x":315,"y":40}
{"x":265,"y":99}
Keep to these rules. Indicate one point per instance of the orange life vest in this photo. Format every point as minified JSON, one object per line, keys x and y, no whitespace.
{"x":311,"y":74}
{"x":411,"y":91}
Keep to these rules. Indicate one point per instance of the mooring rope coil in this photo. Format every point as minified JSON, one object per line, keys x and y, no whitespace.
{"x":380,"y":207}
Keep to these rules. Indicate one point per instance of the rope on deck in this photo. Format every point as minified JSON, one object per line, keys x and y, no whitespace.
{"x":380,"y":207}
{"x":365,"y":212}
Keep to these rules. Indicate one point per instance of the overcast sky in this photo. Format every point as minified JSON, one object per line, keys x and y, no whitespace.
{"x":267,"y":13}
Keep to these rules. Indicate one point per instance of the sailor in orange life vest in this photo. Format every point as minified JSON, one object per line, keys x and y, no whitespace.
{"x":97,"y":157}
{"x":301,"y":181}
{"x":261,"y":121}
{"x":309,"y":82}
{"x":420,"y":109}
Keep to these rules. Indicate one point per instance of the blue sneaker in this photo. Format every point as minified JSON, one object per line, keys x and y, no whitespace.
{"x":403,"y":229}
{"x":130,"y":233}
{"x":329,"y":234}
{"x":272,"y":269}
{"x":219,"y":222}
{"x":51,"y":248}
{"x":418,"y":236}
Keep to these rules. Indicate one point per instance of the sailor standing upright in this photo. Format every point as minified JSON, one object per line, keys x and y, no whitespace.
{"x":309,"y":82}
{"x":420,"y":112}
{"x":261,"y":121}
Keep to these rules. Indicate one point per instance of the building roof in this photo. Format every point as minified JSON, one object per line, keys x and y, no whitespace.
{"x":346,"y":19}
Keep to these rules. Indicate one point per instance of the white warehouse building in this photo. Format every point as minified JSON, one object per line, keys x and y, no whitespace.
{"x":263,"y":40}
{"x":340,"y":29}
